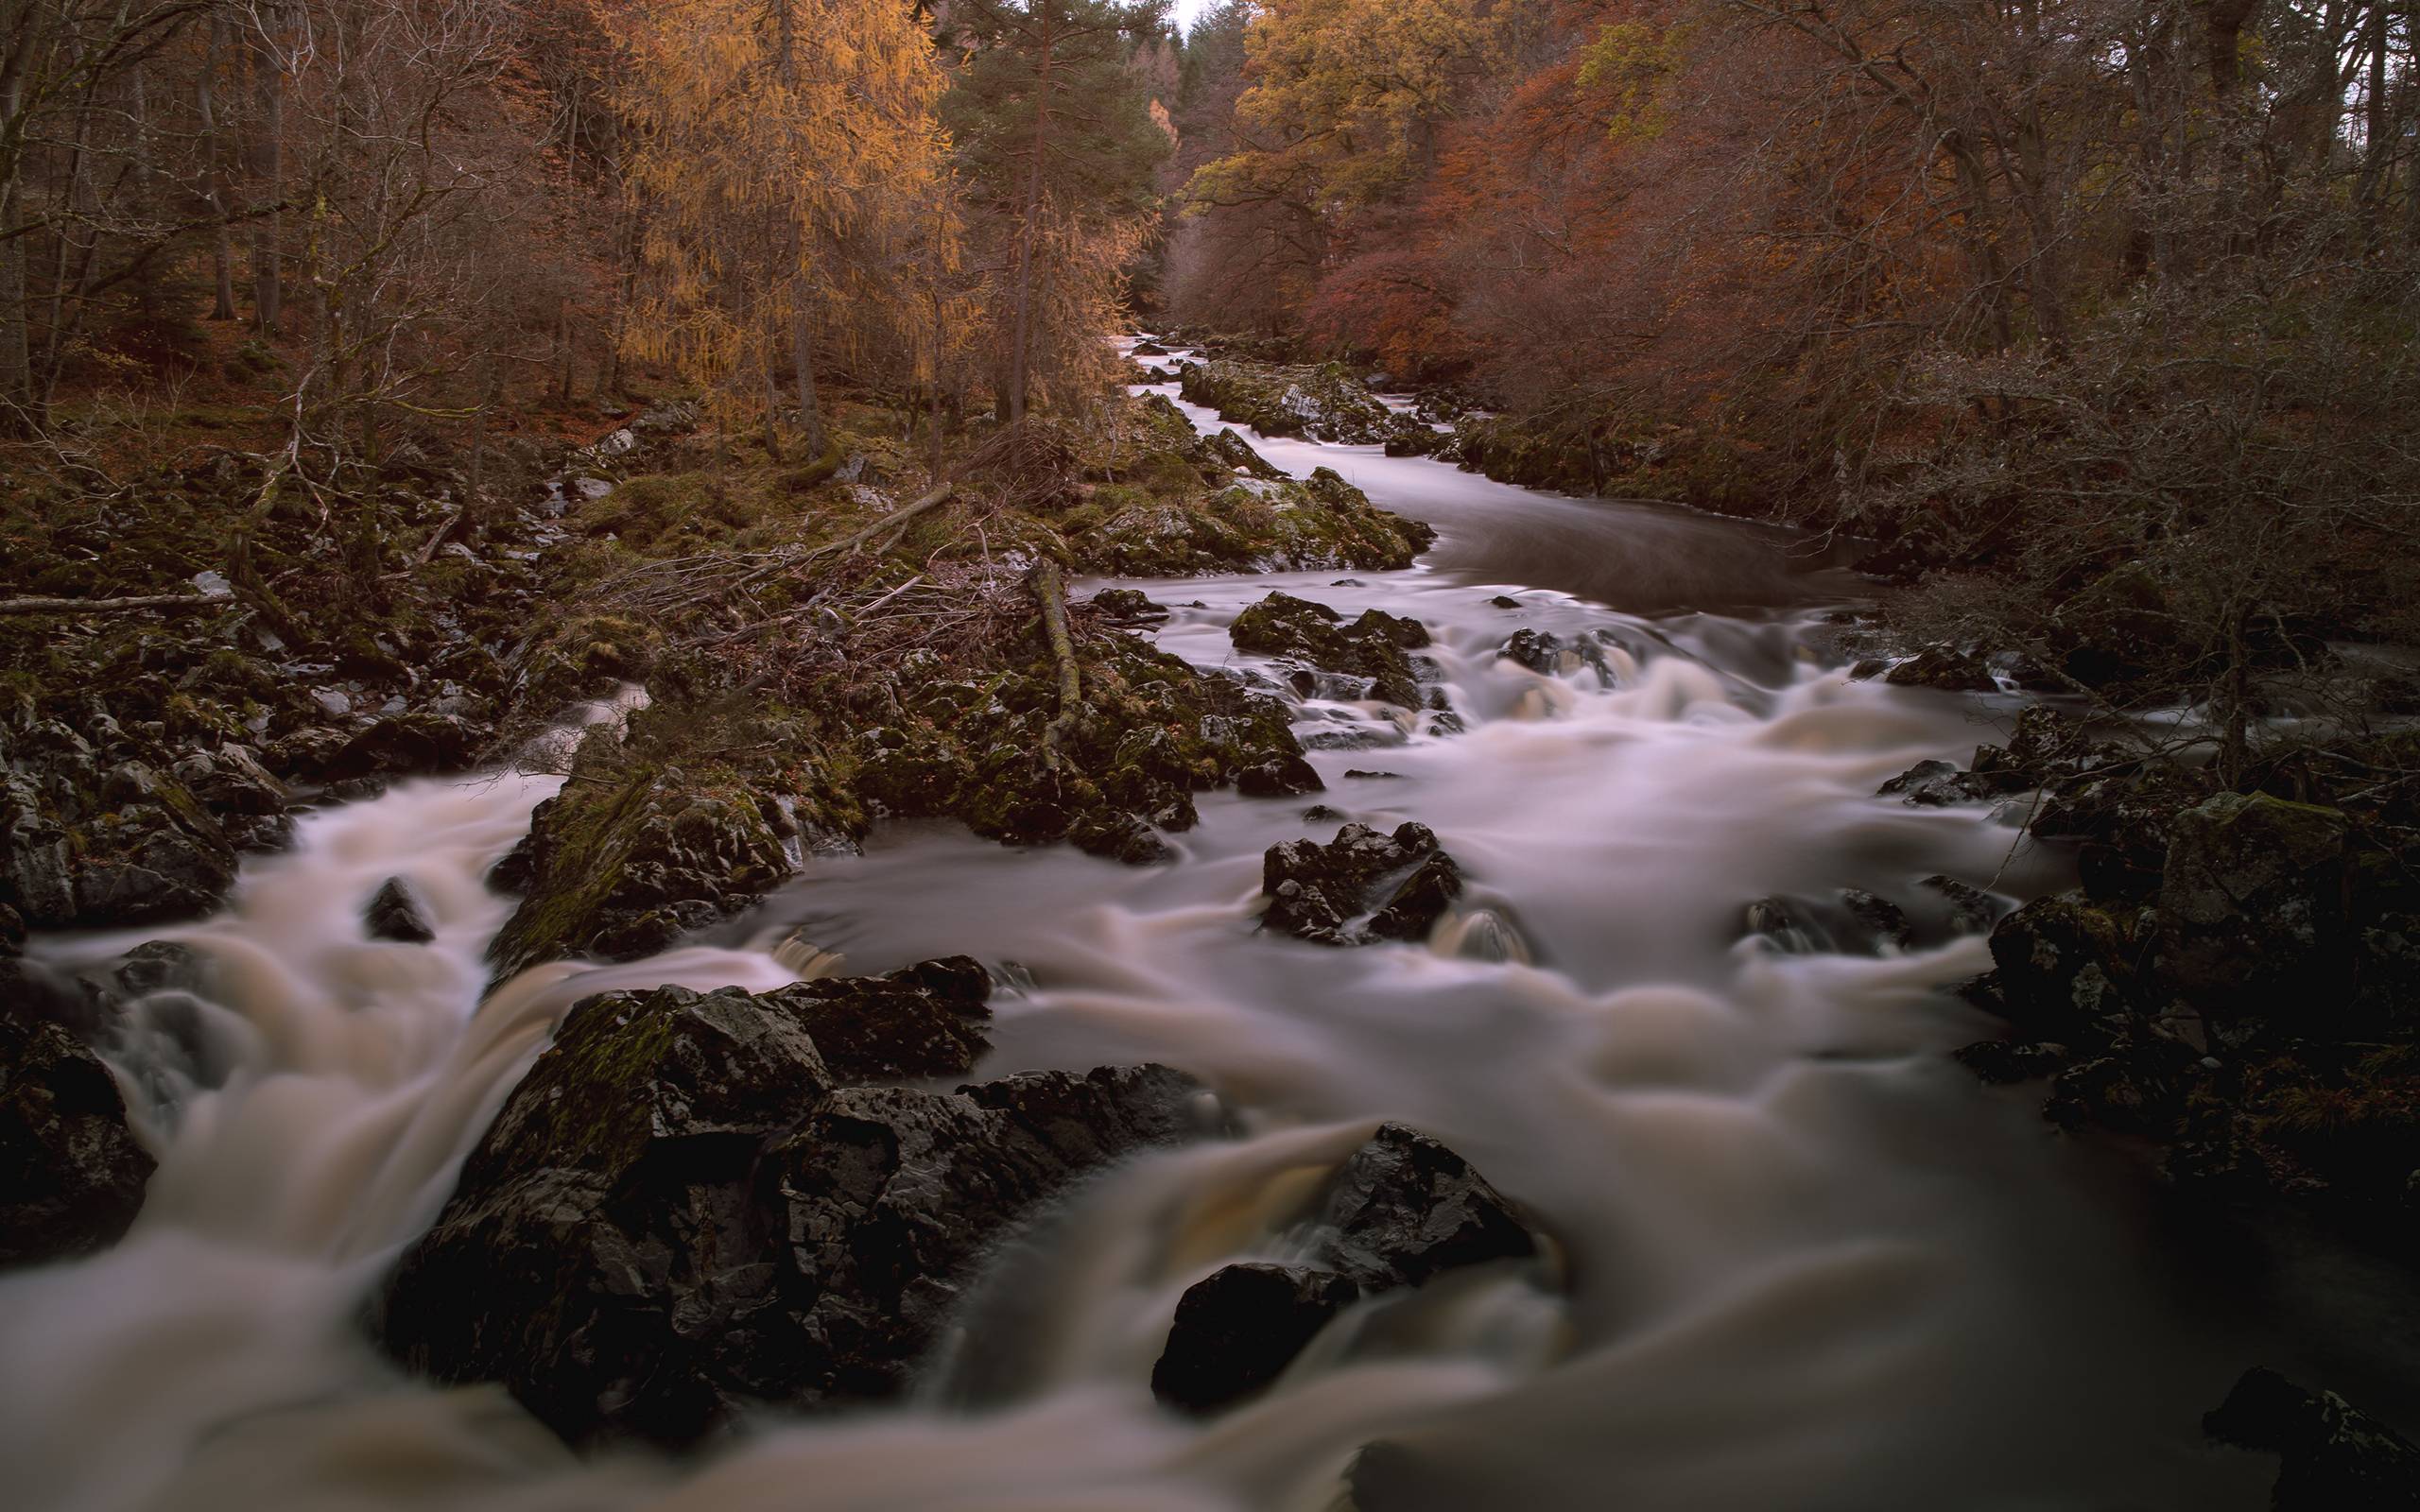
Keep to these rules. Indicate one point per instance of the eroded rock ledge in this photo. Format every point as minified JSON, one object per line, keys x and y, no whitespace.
{"x":697,"y":1203}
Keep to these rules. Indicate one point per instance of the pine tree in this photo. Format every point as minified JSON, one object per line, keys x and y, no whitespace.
{"x":1057,"y":133}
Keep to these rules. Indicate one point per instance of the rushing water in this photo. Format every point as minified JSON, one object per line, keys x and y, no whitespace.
{"x":1805,"y":1261}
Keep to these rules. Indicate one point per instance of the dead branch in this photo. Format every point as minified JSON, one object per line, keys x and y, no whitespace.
{"x":171,"y":603}
{"x":1050,"y":588}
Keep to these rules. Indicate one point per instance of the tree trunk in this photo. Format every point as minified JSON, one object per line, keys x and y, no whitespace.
{"x":773,"y":412}
{"x":222,"y":248}
{"x":1021,"y":339}
{"x":811,"y":410}
{"x":269,"y":232}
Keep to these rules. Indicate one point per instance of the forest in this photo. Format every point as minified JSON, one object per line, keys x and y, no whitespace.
{"x":855,"y":752}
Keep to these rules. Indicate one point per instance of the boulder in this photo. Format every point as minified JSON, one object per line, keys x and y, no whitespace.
{"x":624,"y":861}
{"x":72,"y":1173}
{"x":1371,"y":646}
{"x":2337,"y":1457}
{"x":1400,"y":1211}
{"x":2252,"y":907}
{"x":2065,"y":967}
{"x":413,"y":743}
{"x":397,"y":912}
{"x":1402,"y":883}
{"x":1234,"y":450}
{"x":691,"y":1204}
{"x":1237,"y":1330}
{"x":1326,"y":402}
{"x":1541,"y":651}
{"x":1127,"y":607}
{"x":1938,"y":667}
{"x":1939,"y":784}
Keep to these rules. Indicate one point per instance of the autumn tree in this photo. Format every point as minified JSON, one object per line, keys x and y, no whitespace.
{"x":783,"y":154}
{"x":1059,"y":141}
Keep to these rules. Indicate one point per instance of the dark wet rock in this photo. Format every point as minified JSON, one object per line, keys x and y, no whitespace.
{"x":515,"y":871}
{"x":231,"y":780}
{"x":1936,"y":667}
{"x":623,"y":862}
{"x":2065,"y":967}
{"x":414,"y":742}
{"x":1232,"y":450}
{"x":1400,"y":1211}
{"x":1251,"y":524}
{"x":1783,"y":927}
{"x":1885,"y":921}
{"x":1149,"y":348}
{"x":2005,"y":1064}
{"x":1422,"y":899}
{"x":1850,"y":922}
{"x":1360,"y":886}
{"x":72,"y":1173}
{"x":1279,"y":777}
{"x":1411,"y":437}
{"x":2337,"y":1458}
{"x":1371,"y":646}
{"x":1505,"y":601}
{"x":1150,"y":733}
{"x":161,"y":966}
{"x":686,"y":1209}
{"x":1406,"y":1209}
{"x":1972,"y":911}
{"x":1237,"y":1330}
{"x":1550,"y":655}
{"x":1351,"y":738}
{"x":1128,"y":607}
{"x":924,"y":1021}
{"x":398,"y":912}
{"x":1939,"y":784}
{"x":2252,"y":907}
{"x":1324,"y":402}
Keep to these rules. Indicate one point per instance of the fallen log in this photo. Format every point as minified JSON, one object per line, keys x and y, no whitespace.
{"x":172,"y":603}
{"x":1051,"y":589}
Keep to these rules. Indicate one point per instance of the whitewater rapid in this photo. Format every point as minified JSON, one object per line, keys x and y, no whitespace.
{"x":1806,"y":1261}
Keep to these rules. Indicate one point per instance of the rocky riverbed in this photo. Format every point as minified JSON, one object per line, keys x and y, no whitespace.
{"x":1419,"y":1025}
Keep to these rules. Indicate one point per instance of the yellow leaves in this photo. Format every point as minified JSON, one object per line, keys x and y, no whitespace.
{"x":1350,"y":94}
{"x":787,"y":156}
{"x":1627,"y":69}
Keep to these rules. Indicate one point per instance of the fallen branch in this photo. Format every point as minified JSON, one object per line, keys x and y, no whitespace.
{"x":1050,"y":588}
{"x":436,"y":538}
{"x":173,"y":603}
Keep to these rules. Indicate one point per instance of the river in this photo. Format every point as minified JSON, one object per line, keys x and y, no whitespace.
{"x":1806,"y":1261}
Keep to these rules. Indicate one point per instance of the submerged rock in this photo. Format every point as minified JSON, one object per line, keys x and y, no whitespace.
{"x":397,"y":912}
{"x":1360,"y":886}
{"x":72,"y":1173}
{"x":1400,"y":1211}
{"x":1939,"y":784}
{"x":1937,"y":667}
{"x":690,"y":1206}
